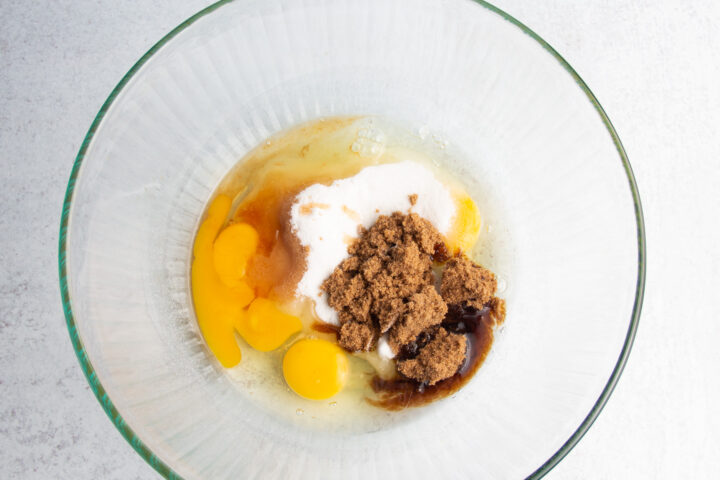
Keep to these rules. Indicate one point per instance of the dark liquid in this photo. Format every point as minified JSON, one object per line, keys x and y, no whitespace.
{"x":441,"y":253}
{"x":477,"y":326}
{"x":325,"y":328}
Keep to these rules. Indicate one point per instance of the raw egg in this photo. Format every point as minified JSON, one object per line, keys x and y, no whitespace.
{"x":315,"y":369}
{"x":466,"y":227}
{"x":232,"y":250}
{"x":265,"y":327}
{"x":216,"y":304}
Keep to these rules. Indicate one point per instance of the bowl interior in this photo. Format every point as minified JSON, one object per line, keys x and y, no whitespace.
{"x":507,"y":116}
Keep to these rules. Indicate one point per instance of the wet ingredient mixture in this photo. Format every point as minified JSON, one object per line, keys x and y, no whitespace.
{"x":330,"y":246}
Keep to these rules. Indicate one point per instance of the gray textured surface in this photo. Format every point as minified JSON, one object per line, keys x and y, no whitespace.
{"x":654,"y":65}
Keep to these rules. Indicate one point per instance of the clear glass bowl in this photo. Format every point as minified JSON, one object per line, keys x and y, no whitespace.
{"x":537,"y":141}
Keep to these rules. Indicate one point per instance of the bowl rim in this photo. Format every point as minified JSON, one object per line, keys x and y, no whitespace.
{"x":127,"y":432}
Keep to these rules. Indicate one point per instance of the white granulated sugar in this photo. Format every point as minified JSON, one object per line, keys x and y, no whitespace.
{"x":325,"y":218}
{"x":383,"y":348}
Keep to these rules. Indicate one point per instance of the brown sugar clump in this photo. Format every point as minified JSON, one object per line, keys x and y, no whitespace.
{"x":441,"y":358}
{"x":497,"y":309}
{"x":355,"y":336}
{"x":466,"y":283}
{"x":387,"y":279}
{"x":422,"y":232}
{"x":422,"y":310}
{"x":390,"y":310}
{"x":413,"y":199}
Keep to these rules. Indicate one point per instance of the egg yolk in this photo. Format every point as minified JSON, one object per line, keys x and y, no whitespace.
{"x":217,"y":305}
{"x":315,"y":369}
{"x":466,"y":227}
{"x":265,"y":327}
{"x":232,"y":250}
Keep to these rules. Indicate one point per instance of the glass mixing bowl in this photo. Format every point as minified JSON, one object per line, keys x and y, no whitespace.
{"x":533,"y":136}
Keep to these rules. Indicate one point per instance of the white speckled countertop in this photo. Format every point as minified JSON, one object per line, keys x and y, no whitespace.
{"x":654,"y":65}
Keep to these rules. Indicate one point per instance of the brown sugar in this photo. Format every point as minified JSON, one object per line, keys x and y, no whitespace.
{"x":413,"y":199}
{"x":422,"y":310}
{"x":497,"y":309}
{"x":355,"y":336}
{"x":387,"y":287}
{"x":441,"y":358}
{"x":466,"y":283}
{"x":387,"y":280}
